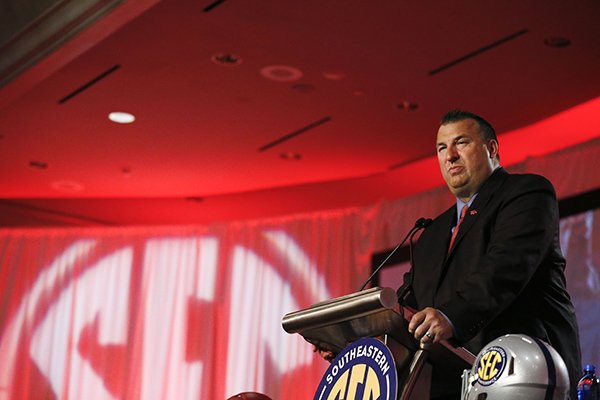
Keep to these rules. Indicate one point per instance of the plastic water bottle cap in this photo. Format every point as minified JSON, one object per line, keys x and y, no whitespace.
{"x":590,"y":368}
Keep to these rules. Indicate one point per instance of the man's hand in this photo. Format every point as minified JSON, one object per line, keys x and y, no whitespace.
{"x":327,"y":355}
{"x":430,"y":326}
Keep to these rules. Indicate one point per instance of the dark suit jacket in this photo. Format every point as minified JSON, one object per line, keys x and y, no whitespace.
{"x":505,"y":272}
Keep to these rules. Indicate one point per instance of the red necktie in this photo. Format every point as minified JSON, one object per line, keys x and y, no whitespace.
{"x":460,"y":220}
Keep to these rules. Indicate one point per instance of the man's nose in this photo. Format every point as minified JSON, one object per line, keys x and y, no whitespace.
{"x":451,"y":154}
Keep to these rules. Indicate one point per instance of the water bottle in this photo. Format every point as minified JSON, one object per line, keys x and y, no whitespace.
{"x":588,"y":387}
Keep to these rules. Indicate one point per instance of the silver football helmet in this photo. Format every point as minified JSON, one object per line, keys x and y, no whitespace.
{"x":517,"y":367}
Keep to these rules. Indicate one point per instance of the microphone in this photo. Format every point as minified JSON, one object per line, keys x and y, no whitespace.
{"x":421,"y":223}
{"x":403,"y":291}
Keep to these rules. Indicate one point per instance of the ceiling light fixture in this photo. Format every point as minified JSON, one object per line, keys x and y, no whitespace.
{"x":67,"y":186}
{"x":226,"y":59}
{"x":408,"y":106}
{"x":281,"y":73}
{"x":291,"y":156}
{"x":38,"y":164}
{"x":121,"y":117}
{"x":557,"y":42}
{"x":334,"y":75}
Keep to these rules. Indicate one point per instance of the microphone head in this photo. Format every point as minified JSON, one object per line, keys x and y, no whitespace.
{"x":423,"y":222}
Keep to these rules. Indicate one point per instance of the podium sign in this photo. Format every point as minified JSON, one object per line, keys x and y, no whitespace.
{"x":363,"y":370}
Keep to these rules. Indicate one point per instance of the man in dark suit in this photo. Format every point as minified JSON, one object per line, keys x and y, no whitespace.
{"x":503,"y":272}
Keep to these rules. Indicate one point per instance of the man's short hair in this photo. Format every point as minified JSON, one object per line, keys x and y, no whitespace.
{"x":487,"y":131}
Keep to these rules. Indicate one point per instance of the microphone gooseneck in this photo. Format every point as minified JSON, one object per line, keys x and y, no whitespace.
{"x":407,"y":287}
{"x":421,"y":223}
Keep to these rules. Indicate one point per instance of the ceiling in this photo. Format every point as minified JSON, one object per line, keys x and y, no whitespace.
{"x":257,"y":109}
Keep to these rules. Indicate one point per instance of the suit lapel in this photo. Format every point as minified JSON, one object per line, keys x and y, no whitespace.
{"x":438,"y":253}
{"x":485,"y":194}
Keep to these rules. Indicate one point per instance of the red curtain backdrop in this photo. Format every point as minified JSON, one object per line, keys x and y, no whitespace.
{"x":195,"y":312}
{"x":178,"y":313}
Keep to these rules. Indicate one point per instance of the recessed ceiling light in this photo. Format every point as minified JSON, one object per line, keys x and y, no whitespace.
{"x":334,"y":75}
{"x":121,"y":117}
{"x":291,"y":156}
{"x":281,"y":73}
{"x":67,"y":186}
{"x":408,"y":106}
{"x":557,"y":42}
{"x":226,"y":59}
{"x":38,"y":164}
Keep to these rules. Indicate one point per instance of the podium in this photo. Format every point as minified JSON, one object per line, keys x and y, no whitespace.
{"x":333,"y":324}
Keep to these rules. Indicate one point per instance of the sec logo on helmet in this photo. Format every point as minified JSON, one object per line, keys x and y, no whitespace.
{"x":491,"y":364}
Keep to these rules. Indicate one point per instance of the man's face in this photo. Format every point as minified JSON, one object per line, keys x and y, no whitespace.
{"x":466,"y":161}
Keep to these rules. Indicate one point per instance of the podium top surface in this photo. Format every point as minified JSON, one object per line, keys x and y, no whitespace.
{"x":341,"y":309}
{"x":335,"y":323}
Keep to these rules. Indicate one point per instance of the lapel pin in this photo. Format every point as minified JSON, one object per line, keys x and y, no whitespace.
{"x":473,"y":212}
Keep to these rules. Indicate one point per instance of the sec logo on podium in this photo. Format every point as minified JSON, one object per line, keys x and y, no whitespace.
{"x":364,"y":370}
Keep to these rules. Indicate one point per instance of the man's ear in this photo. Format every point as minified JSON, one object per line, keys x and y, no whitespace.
{"x":492,"y":147}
